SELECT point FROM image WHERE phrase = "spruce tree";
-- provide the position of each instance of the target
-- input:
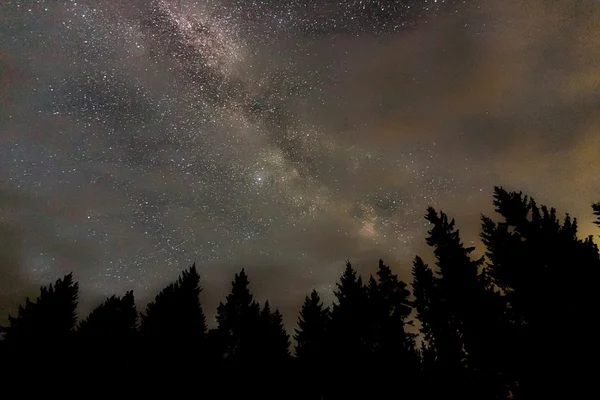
(173, 328)
(176, 312)
(391, 346)
(50, 319)
(44, 328)
(424, 292)
(349, 324)
(462, 313)
(596, 208)
(114, 318)
(311, 333)
(311, 338)
(546, 274)
(238, 323)
(393, 308)
(273, 338)
(279, 339)
(108, 335)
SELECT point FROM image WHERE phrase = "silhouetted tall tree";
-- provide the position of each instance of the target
(546, 275)
(174, 326)
(239, 322)
(311, 346)
(50, 318)
(312, 329)
(442, 348)
(348, 330)
(424, 287)
(390, 308)
(43, 328)
(108, 335)
(275, 339)
(392, 348)
(596, 208)
(348, 317)
(459, 314)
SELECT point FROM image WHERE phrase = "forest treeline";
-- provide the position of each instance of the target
(518, 323)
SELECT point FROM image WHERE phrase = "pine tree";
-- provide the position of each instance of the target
(458, 283)
(312, 330)
(392, 307)
(461, 311)
(50, 319)
(273, 338)
(392, 347)
(238, 321)
(279, 340)
(176, 312)
(173, 328)
(43, 329)
(114, 318)
(424, 293)
(349, 323)
(546, 275)
(596, 208)
(108, 335)
(311, 338)
(442, 347)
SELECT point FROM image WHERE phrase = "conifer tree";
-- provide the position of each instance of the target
(115, 317)
(311, 338)
(546, 274)
(349, 324)
(311, 333)
(392, 348)
(390, 299)
(50, 319)
(108, 335)
(43, 329)
(238, 321)
(424, 293)
(461, 311)
(173, 328)
(278, 338)
(176, 312)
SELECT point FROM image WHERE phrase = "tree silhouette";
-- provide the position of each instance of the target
(424, 291)
(238, 322)
(348, 330)
(390, 307)
(519, 323)
(311, 346)
(43, 328)
(392, 348)
(108, 335)
(348, 317)
(546, 274)
(459, 314)
(312, 330)
(174, 326)
(276, 341)
(51, 317)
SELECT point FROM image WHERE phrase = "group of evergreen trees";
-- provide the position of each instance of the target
(516, 323)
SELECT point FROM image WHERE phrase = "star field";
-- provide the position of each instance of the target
(138, 137)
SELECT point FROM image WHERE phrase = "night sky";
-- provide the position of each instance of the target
(137, 137)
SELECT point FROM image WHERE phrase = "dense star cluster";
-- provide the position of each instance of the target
(282, 136)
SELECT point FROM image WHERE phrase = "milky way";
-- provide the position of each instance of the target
(138, 137)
